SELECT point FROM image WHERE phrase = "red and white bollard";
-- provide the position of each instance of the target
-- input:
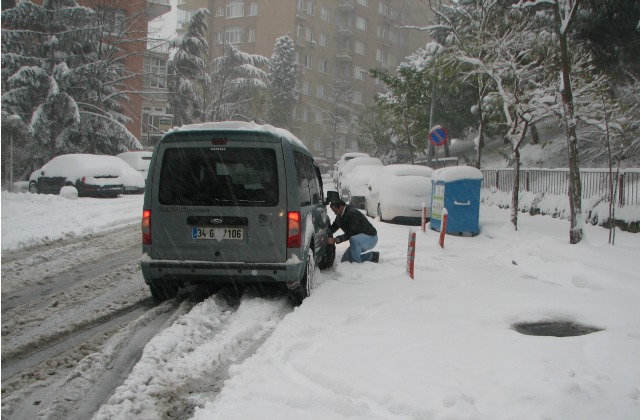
(411, 253)
(443, 226)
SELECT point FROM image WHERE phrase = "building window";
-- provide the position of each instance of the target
(357, 97)
(382, 8)
(251, 35)
(310, 7)
(319, 119)
(308, 61)
(323, 66)
(233, 35)
(392, 60)
(113, 20)
(253, 8)
(155, 72)
(361, 23)
(394, 37)
(309, 34)
(320, 92)
(219, 11)
(219, 37)
(361, 48)
(359, 72)
(235, 9)
(324, 14)
(318, 144)
(383, 32)
(364, 3)
(306, 87)
(324, 39)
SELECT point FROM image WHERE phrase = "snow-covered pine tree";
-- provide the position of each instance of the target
(237, 78)
(187, 72)
(283, 79)
(53, 77)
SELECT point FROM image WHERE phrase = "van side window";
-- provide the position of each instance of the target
(314, 187)
(303, 178)
(317, 175)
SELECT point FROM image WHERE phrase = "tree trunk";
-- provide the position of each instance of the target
(516, 188)
(535, 137)
(480, 143)
(575, 187)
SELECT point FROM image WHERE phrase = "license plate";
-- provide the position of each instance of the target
(218, 233)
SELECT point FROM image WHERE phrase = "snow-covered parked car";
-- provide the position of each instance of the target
(344, 159)
(134, 181)
(138, 160)
(349, 166)
(356, 184)
(398, 192)
(91, 175)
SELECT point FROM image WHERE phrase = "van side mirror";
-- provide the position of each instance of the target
(332, 196)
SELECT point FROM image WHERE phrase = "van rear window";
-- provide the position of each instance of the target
(210, 177)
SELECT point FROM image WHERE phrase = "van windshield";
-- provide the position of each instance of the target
(211, 177)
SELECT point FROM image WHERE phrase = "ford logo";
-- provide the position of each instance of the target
(216, 221)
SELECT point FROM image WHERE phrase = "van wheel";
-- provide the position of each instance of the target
(33, 188)
(328, 258)
(161, 290)
(308, 279)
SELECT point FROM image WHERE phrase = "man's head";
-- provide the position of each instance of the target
(338, 206)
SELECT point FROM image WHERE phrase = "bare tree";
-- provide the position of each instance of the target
(564, 13)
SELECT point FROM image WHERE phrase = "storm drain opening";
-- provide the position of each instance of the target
(554, 328)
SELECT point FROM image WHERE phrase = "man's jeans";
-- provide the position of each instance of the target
(357, 245)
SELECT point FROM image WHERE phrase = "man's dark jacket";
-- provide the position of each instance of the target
(352, 222)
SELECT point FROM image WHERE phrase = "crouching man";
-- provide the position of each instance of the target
(360, 233)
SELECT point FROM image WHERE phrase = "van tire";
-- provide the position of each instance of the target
(161, 290)
(307, 281)
(328, 258)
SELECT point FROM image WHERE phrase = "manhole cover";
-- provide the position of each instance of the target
(554, 328)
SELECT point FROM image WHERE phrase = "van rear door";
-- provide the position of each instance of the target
(220, 197)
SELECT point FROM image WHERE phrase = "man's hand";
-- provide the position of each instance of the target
(331, 241)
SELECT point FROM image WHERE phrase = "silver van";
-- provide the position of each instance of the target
(233, 202)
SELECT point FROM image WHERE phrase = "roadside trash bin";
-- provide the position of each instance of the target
(456, 188)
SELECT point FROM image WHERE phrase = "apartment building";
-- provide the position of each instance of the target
(337, 42)
(155, 121)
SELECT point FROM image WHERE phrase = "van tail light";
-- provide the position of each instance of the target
(146, 227)
(294, 232)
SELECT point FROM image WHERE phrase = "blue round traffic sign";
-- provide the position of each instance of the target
(438, 136)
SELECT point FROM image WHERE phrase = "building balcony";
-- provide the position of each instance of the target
(301, 14)
(157, 8)
(345, 5)
(343, 54)
(344, 29)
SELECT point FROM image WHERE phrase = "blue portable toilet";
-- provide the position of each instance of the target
(456, 188)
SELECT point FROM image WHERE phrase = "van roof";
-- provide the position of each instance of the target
(240, 126)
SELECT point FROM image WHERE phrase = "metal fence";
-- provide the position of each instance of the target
(595, 182)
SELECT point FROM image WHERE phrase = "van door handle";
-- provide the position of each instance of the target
(468, 203)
